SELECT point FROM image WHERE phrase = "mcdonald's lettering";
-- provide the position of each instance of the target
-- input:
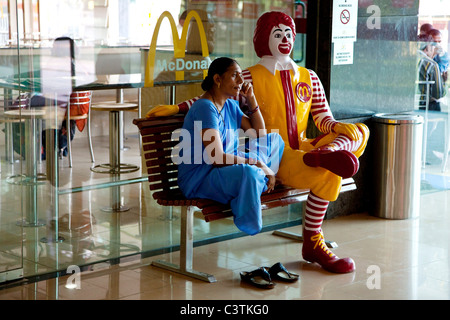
(179, 46)
(181, 65)
(303, 91)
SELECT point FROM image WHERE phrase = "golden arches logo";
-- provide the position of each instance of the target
(179, 44)
(303, 91)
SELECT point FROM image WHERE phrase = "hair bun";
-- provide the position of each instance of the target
(207, 83)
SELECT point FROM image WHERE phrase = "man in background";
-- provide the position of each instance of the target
(428, 70)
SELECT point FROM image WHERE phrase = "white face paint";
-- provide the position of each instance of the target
(281, 41)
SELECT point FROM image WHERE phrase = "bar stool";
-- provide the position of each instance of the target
(22, 102)
(79, 109)
(31, 179)
(9, 136)
(115, 110)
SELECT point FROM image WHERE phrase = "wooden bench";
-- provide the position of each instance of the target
(157, 143)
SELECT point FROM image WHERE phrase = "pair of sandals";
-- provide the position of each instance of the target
(262, 277)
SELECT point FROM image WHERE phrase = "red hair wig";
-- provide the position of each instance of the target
(264, 25)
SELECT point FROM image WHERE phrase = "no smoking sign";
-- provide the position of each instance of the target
(345, 16)
(344, 24)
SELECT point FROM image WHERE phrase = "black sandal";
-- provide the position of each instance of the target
(279, 272)
(259, 278)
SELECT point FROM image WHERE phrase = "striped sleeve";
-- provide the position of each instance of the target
(247, 76)
(186, 105)
(320, 110)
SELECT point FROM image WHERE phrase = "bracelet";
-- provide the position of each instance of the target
(249, 113)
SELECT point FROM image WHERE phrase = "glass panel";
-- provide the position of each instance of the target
(387, 75)
(73, 213)
(13, 184)
(432, 97)
(383, 56)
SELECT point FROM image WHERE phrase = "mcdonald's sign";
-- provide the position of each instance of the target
(179, 47)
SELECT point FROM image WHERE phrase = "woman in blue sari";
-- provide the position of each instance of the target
(219, 169)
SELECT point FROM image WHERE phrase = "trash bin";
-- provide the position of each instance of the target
(398, 147)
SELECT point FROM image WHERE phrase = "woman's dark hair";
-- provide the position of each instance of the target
(218, 66)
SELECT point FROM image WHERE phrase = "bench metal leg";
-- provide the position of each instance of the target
(299, 237)
(186, 250)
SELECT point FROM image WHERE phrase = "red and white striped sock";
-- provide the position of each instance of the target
(315, 212)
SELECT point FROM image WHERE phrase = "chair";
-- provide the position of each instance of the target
(29, 178)
(79, 109)
(23, 101)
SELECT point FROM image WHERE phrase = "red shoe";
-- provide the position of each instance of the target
(341, 162)
(315, 250)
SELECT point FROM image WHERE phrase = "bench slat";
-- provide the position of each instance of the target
(169, 128)
(164, 185)
(162, 169)
(144, 123)
(162, 176)
(160, 137)
(159, 145)
(158, 154)
(162, 161)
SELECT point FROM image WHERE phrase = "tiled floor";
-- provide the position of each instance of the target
(395, 259)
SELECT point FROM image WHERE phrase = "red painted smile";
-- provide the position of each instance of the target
(284, 48)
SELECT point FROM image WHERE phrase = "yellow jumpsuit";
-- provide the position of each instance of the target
(293, 171)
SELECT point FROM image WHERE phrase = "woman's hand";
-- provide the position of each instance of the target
(253, 119)
(269, 174)
(271, 182)
(247, 91)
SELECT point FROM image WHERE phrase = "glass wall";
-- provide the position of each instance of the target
(12, 195)
(432, 100)
(384, 71)
(60, 208)
(381, 72)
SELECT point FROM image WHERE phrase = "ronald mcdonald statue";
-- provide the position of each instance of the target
(287, 94)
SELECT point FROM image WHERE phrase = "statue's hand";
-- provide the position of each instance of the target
(349, 129)
(163, 111)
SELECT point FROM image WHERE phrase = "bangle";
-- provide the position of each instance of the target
(249, 113)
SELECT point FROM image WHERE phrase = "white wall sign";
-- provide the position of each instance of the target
(343, 52)
(344, 30)
(345, 20)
